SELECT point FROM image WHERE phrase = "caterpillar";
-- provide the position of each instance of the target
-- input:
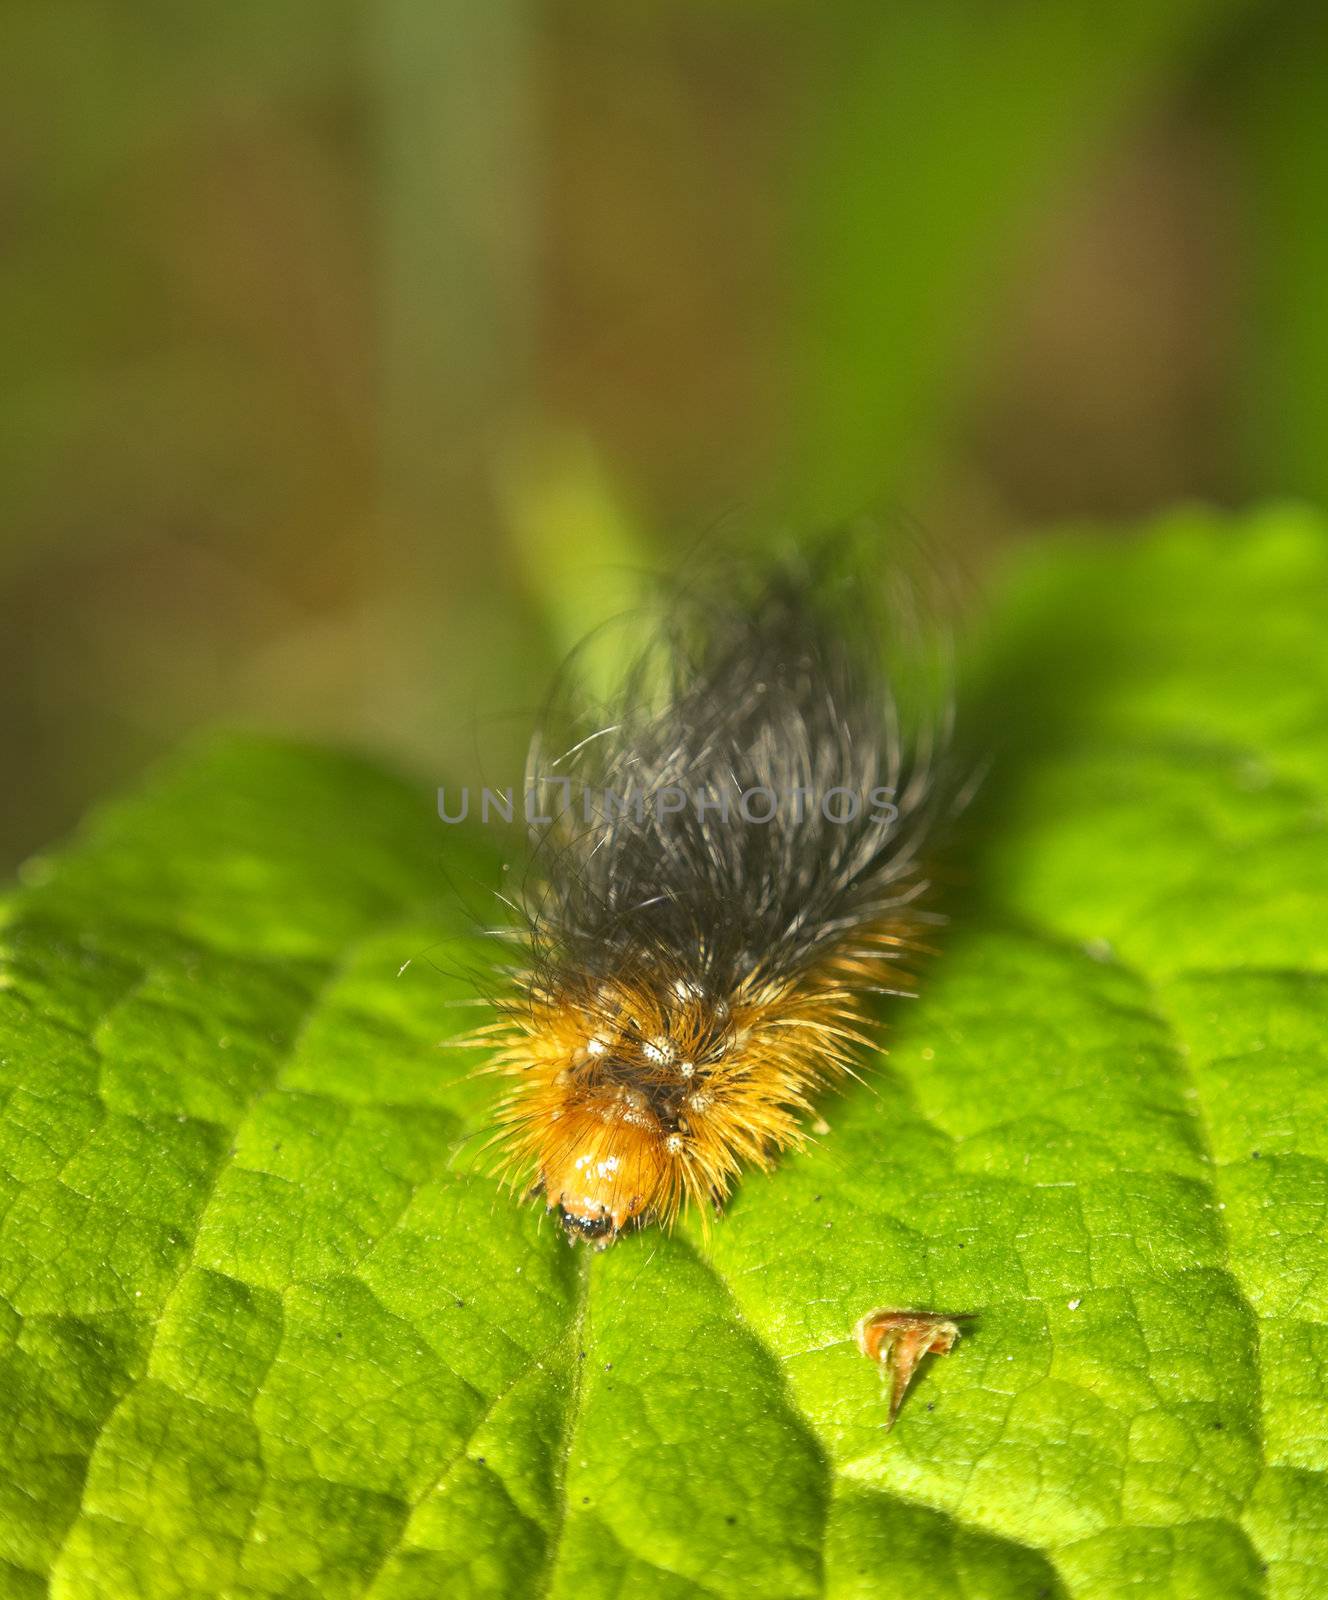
(726, 871)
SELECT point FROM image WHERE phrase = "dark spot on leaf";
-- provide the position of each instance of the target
(1256, 1154)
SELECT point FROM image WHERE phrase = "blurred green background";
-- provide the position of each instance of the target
(357, 354)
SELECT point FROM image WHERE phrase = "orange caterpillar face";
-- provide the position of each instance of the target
(631, 1099)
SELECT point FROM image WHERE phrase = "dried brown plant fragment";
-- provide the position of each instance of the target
(899, 1340)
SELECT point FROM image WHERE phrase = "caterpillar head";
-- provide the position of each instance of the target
(611, 1105)
(632, 1098)
(604, 1163)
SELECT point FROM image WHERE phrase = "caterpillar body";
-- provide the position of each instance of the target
(699, 962)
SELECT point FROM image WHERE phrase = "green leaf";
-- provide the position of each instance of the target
(270, 1330)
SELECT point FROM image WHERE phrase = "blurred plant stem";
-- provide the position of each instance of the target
(458, 197)
(1280, 101)
(580, 554)
(941, 129)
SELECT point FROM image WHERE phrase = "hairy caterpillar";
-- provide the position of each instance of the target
(697, 962)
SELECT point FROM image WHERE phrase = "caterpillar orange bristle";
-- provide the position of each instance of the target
(727, 870)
